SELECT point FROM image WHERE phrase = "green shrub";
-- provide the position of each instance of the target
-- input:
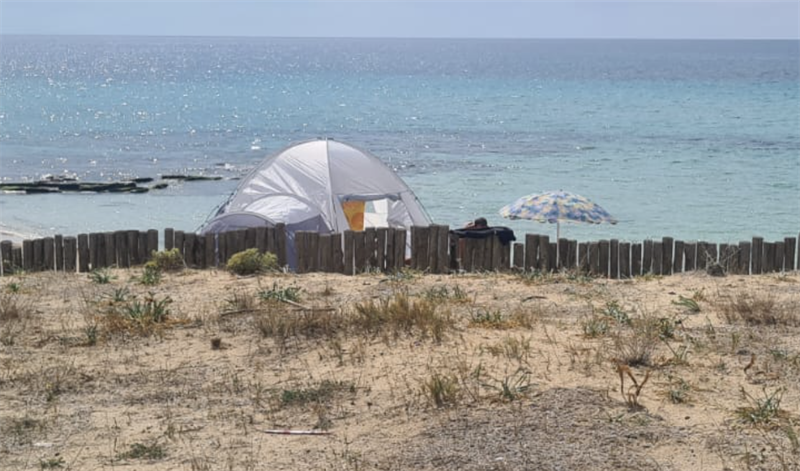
(250, 261)
(166, 260)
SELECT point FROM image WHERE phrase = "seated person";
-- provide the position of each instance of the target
(479, 223)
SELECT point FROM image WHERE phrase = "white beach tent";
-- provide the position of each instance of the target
(304, 187)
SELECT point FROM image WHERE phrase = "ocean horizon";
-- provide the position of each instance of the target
(694, 139)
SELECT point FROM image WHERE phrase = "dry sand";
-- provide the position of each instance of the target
(527, 373)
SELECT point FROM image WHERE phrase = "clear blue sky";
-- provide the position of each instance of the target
(431, 19)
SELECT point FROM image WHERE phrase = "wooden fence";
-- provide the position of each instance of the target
(432, 249)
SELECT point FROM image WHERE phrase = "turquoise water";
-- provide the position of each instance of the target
(691, 139)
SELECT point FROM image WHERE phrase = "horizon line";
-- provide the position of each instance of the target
(488, 38)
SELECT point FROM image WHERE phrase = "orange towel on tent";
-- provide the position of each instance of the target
(354, 212)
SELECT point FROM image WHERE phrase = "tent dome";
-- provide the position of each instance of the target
(320, 185)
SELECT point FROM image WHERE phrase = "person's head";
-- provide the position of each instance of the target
(480, 222)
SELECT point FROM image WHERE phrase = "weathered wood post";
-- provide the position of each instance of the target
(6, 263)
(49, 253)
(636, 259)
(677, 262)
(133, 247)
(338, 254)
(38, 254)
(169, 238)
(667, 246)
(614, 262)
(152, 243)
(27, 255)
(110, 247)
(605, 249)
(790, 248)
(70, 253)
(584, 259)
(349, 253)
(58, 241)
(658, 257)
(757, 255)
(624, 260)
(210, 249)
(647, 257)
(690, 256)
(380, 247)
(531, 252)
(544, 254)
(280, 243)
(189, 240)
(442, 246)
(83, 253)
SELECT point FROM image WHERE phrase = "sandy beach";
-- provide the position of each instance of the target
(496, 371)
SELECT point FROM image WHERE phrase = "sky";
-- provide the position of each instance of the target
(765, 19)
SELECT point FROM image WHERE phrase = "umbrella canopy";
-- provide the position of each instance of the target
(557, 206)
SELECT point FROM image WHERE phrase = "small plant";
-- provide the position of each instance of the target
(443, 293)
(679, 392)
(137, 451)
(166, 260)
(690, 305)
(101, 276)
(250, 261)
(13, 287)
(614, 311)
(761, 411)
(441, 390)
(278, 293)
(152, 310)
(515, 385)
(120, 295)
(757, 309)
(151, 275)
(488, 319)
(596, 326)
(52, 463)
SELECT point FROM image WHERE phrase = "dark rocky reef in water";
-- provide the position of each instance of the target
(70, 185)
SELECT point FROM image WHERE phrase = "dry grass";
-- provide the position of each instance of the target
(407, 371)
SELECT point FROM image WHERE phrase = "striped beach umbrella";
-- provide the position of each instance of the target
(557, 206)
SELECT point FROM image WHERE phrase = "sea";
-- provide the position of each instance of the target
(697, 140)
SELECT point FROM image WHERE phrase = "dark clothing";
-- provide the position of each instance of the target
(505, 234)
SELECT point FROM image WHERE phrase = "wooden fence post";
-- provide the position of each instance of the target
(744, 257)
(325, 253)
(690, 256)
(562, 245)
(121, 247)
(70, 253)
(210, 250)
(614, 262)
(27, 255)
(594, 258)
(531, 252)
(83, 253)
(605, 249)
(790, 247)
(544, 254)
(636, 259)
(169, 238)
(337, 255)
(756, 256)
(49, 252)
(667, 246)
(658, 257)
(519, 256)
(400, 248)
(110, 247)
(677, 262)
(93, 250)
(647, 257)
(442, 247)
(189, 240)
(133, 247)
(6, 263)
(380, 247)
(349, 253)
(280, 243)
(59, 249)
(584, 259)
(624, 260)
(572, 254)
(152, 243)
(768, 262)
